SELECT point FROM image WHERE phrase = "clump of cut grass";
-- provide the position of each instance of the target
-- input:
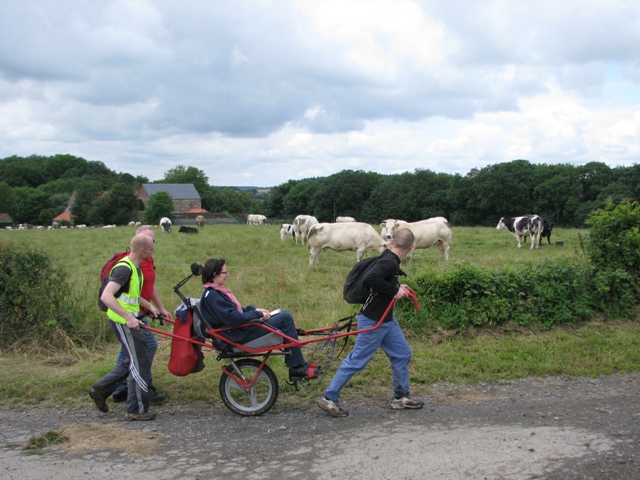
(45, 440)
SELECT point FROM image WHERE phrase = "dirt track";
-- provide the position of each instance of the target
(550, 428)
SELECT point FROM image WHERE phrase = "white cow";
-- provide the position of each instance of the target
(200, 221)
(427, 233)
(384, 232)
(165, 224)
(257, 219)
(286, 229)
(355, 236)
(301, 226)
(345, 219)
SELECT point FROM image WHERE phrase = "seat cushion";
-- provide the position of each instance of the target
(268, 340)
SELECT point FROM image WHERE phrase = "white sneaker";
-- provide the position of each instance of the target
(406, 403)
(332, 408)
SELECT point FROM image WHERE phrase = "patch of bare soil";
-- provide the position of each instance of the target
(84, 437)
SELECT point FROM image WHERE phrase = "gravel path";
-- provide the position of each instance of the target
(550, 428)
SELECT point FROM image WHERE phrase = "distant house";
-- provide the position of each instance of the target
(185, 196)
(5, 219)
(66, 215)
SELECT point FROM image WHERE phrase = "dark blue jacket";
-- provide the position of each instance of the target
(219, 312)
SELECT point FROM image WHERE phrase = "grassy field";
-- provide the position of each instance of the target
(273, 274)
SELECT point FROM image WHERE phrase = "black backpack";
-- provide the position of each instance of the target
(354, 290)
(105, 281)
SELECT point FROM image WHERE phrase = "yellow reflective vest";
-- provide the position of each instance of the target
(130, 300)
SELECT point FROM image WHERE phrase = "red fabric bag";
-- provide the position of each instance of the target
(185, 357)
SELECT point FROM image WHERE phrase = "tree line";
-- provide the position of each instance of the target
(564, 193)
(36, 189)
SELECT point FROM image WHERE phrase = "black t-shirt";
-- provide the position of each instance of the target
(121, 274)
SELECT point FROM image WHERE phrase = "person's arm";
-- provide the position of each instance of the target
(155, 299)
(147, 305)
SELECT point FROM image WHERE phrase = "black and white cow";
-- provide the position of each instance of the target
(165, 224)
(522, 227)
(184, 229)
(287, 229)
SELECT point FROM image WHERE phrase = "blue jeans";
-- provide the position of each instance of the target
(151, 343)
(390, 338)
(283, 322)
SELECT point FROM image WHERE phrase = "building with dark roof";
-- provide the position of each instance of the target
(185, 196)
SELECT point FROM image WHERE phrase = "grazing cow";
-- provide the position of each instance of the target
(522, 227)
(165, 224)
(287, 229)
(132, 223)
(257, 219)
(200, 221)
(357, 237)
(384, 232)
(301, 226)
(427, 233)
(82, 225)
(184, 229)
(345, 219)
(547, 227)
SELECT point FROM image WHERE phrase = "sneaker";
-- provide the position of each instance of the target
(155, 397)
(101, 402)
(305, 371)
(406, 403)
(332, 408)
(142, 417)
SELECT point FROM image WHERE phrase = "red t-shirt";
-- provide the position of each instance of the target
(149, 273)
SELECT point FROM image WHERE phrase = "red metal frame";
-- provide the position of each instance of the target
(287, 341)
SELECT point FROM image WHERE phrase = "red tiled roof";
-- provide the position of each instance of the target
(66, 215)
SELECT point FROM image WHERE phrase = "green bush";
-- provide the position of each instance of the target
(560, 293)
(614, 239)
(548, 294)
(38, 305)
(615, 293)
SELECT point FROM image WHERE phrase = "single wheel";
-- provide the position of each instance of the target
(259, 399)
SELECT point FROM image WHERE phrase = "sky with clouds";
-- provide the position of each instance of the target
(257, 92)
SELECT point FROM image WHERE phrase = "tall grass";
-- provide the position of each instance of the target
(265, 271)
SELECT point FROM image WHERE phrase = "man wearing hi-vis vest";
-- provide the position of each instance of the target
(122, 297)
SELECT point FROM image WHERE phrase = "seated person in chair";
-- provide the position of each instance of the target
(220, 308)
